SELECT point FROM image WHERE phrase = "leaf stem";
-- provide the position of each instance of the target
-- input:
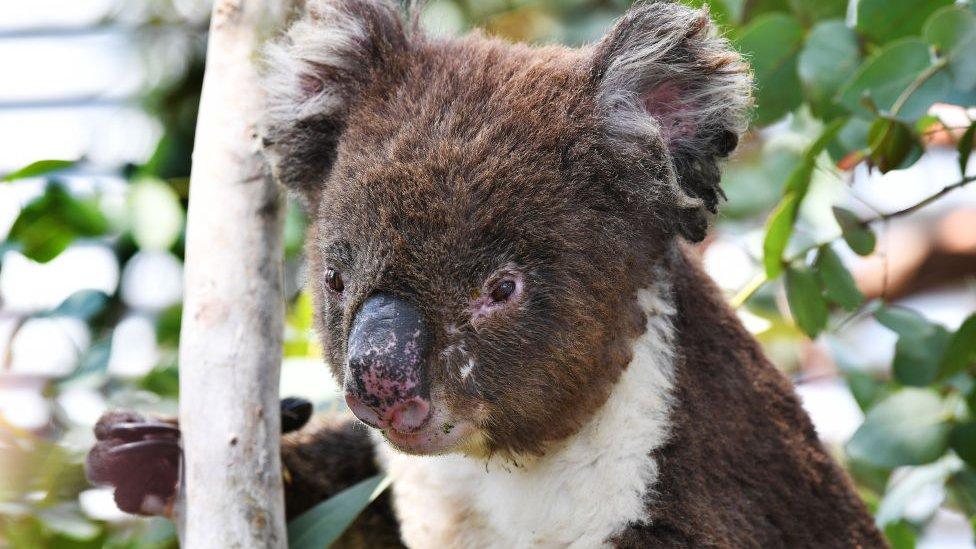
(919, 81)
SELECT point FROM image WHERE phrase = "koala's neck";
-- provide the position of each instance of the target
(536, 501)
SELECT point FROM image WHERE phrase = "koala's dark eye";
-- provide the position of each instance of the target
(334, 281)
(503, 291)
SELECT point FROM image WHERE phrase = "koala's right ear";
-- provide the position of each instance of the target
(314, 75)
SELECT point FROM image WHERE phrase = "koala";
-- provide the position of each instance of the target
(499, 252)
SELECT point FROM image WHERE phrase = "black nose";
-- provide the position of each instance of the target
(387, 348)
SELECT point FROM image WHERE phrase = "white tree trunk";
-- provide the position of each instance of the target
(230, 351)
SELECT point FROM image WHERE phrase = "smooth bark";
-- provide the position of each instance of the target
(230, 351)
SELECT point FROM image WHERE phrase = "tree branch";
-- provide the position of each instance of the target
(761, 279)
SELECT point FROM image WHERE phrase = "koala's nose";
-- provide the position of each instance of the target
(385, 385)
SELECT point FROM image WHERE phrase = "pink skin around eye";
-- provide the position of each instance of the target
(483, 306)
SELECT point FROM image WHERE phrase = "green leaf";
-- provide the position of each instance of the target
(168, 325)
(962, 487)
(155, 214)
(904, 322)
(806, 302)
(961, 351)
(779, 226)
(295, 224)
(900, 535)
(83, 304)
(322, 525)
(917, 357)
(46, 226)
(906, 428)
(966, 148)
(887, 75)
(893, 145)
(772, 43)
(829, 58)
(963, 442)
(93, 361)
(815, 10)
(752, 9)
(39, 168)
(886, 20)
(952, 31)
(838, 284)
(162, 380)
(858, 237)
(865, 388)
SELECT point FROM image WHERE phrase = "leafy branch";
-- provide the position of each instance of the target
(762, 278)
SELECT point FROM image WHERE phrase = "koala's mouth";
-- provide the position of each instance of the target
(440, 434)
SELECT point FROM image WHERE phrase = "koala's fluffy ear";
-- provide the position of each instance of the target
(313, 77)
(663, 76)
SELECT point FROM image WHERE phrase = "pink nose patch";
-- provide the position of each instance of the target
(404, 416)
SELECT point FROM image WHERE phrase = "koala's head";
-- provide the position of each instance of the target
(482, 214)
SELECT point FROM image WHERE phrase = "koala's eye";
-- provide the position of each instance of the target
(503, 290)
(334, 281)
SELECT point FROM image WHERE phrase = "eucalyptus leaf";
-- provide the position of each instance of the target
(961, 351)
(893, 145)
(904, 322)
(886, 20)
(900, 535)
(962, 486)
(779, 226)
(966, 148)
(917, 357)
(829, 58)
(908, 427)
(838, 284)
(83, 304)
(815, 10)
(806, 302)
(39, 168)
(859, 237)
(963, 442)
(322, 525)
(772, 44)
(952, 31)
(896, 69)
(47, 225)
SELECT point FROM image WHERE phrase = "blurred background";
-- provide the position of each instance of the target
(864, 111)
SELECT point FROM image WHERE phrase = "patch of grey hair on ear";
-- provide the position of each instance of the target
(297, 67)
(663, 46)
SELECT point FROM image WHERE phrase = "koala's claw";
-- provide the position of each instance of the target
(295, 413)
(147, 447)
(140, 457)
(135, 430)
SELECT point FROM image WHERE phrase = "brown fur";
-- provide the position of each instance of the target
(743, 467)
(327, 456)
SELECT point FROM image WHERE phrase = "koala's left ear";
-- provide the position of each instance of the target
(664, 77)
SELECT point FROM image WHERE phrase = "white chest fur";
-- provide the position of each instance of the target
(577, 495)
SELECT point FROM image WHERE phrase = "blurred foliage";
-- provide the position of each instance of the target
(838, 85)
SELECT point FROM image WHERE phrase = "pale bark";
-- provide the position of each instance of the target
(230, 351)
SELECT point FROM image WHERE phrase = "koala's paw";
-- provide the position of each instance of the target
(295, 413)
(140, 458)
